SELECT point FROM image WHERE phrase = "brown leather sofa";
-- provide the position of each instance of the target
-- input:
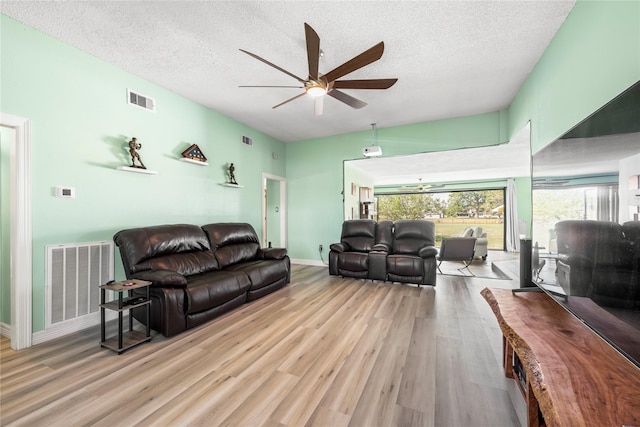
(403, 251)
(198, 273)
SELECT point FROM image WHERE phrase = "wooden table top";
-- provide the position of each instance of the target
(576, 376)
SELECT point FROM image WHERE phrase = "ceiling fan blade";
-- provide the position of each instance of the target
(364, 84)
(347, 99)
(318, 106)
(297, 87)
(273, 65)
(365, 58)
(289, 100)
(313, 50)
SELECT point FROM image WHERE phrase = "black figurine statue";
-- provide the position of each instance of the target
(232, 176)
(133, 147)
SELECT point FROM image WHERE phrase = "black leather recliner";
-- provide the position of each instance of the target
(598, 260)
(400, 252)
(412, 258)
(360, 240)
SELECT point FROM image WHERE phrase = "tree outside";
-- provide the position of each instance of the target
(451, 212)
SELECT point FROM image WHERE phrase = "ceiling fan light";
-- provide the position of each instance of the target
(316, 91)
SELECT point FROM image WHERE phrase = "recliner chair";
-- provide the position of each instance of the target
(359, 239)
(412, 258)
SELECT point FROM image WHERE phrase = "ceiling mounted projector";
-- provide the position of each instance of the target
(372, 151)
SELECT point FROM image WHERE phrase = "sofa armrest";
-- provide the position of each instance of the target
(381, 247)
(428, 251)
(272, 253)
(162, 278)
(339, 247)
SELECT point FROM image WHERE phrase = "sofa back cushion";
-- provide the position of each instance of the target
(411, 235)
(359, 234)
(232, 242)
(384, 233)
(468, 232)
(181, 247)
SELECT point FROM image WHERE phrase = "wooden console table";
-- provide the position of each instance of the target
(575, 377)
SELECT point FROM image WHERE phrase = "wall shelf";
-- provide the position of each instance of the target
(226, 184)
(136, 170)
(195, 162)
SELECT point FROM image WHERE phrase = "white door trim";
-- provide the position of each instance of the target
(283, 207)
(21, 238)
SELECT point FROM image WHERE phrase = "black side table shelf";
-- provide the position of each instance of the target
(124, 341)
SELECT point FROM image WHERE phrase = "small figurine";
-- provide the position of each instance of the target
(133, 146)
(232, 177)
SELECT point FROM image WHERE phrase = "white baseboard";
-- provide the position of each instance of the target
(5, 330)
(309, 262)
(71, 326)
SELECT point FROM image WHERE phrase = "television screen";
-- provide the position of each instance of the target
(586, 225)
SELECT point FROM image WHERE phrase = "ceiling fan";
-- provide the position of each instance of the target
(316, 84)
(420, 187)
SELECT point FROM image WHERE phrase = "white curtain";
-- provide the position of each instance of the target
(511, 216)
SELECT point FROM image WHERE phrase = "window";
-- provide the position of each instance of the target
(452, 212)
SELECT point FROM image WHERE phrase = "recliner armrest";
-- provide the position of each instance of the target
(381, 247)
(339, 247)
(272, 253)
(428, 251)
(162, 278)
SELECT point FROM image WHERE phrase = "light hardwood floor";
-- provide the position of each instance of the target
(323, 351)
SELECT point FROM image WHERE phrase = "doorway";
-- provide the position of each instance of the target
(274, 215)
(20, 240)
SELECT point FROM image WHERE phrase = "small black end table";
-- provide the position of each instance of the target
(125, 341)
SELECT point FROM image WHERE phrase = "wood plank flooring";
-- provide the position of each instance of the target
(323, 351)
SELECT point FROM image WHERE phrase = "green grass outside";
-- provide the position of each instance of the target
(495, 231)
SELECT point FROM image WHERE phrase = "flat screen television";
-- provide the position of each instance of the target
(585, 221)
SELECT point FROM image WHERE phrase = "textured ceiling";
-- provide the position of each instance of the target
(452, 58)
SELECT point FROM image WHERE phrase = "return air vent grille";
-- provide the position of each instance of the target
(74, 274)
(141, 101)
(247, 141)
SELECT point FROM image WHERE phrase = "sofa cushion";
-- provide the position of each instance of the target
(477, 232)
(403, 265)
(232, 243)
(182, 248)
(262, 273)
(412, 235)
(468, 232)
(353, 261)
(211, 289)
(359, 234)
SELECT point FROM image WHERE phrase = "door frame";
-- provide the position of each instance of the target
(283, 207)
(21, 235)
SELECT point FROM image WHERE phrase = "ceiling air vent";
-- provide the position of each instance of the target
(247, 141)
(141, 101)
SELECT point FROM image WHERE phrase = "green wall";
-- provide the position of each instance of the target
(81, 122)
(315, 170)
(594, 56)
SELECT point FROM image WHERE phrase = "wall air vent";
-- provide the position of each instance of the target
(247, 141)
(142, 101)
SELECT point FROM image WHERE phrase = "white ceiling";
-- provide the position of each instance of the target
(452, 58)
